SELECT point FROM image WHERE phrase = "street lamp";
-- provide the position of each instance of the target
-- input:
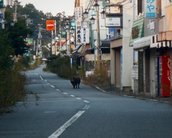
(97, 47)
(85, 14)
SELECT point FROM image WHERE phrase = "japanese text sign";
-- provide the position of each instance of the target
(151, 8)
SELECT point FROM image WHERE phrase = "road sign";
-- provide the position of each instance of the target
(50, 25)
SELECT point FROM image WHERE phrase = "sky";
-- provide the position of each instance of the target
(53, 6)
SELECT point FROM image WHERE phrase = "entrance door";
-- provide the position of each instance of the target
(117, 68)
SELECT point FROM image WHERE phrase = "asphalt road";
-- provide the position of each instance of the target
(54, 109)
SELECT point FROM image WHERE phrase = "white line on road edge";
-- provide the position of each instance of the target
(59, 131)
(52, 86)
(41, 77)
(100, 89)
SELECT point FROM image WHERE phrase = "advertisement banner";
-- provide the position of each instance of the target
(165, 76)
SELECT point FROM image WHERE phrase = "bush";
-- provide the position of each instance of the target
(11, 87)
(99, 78)
(60, 65)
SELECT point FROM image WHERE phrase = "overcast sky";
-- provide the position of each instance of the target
(53, 6)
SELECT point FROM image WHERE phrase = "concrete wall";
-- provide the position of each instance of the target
(127, 51)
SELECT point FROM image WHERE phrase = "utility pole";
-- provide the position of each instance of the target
(15, 11)
(98, 48)
(39, 42)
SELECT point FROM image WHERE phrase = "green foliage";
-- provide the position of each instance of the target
(17, 36)
(60, 65)
(5, 52)
(100, 77)
(36, 63)
(17, 32)
(11, 87)
(37, 18)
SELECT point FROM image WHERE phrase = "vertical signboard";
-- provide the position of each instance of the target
(165, 76)
(151, 8)
(50, 25)
(84, 35)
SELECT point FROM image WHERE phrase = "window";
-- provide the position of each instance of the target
(139, 6)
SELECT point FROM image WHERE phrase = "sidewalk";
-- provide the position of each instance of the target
(118, 92)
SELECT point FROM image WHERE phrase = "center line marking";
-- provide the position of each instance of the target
(65, 93)
(72, 95)
(85, 101)
(59, 131)
(78, 98)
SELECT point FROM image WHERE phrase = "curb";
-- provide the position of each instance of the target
(137, 97)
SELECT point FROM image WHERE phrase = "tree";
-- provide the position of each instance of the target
(17, 32)
(17, 35)
(5, 52)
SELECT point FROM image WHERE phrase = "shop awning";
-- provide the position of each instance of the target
(159, 42)
(142, 42)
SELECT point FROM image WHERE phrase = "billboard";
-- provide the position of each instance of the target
(113, 22)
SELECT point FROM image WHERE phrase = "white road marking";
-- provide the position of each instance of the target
(86, 107)
(85, 101)
(65, 93)
(59, 131)
(58, 90)
(72, 95)
(100, 89)
(78, 98)
(52, 86)
(41, 78)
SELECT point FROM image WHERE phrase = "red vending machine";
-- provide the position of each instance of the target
(165, 76)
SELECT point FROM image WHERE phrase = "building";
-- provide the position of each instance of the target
(152, 43)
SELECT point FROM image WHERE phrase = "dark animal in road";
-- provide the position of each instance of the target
(75, 81)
